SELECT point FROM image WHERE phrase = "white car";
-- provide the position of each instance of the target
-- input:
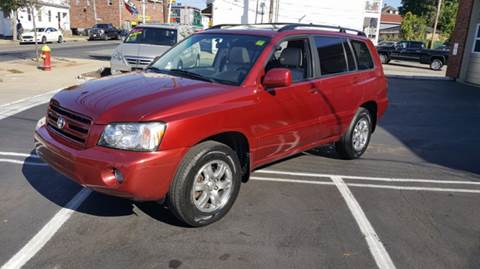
(44, 35)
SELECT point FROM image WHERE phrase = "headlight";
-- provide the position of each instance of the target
(133, 136)
(117, 55)
(41, 122)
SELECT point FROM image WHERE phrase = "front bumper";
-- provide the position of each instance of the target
(96, 36)
(147, 175)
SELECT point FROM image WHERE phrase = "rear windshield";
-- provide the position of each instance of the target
(103, 26)
(154, 36)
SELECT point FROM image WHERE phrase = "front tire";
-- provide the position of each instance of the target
(384, 58)
(355, 141)
(60, 39)
(206, 185)
(44, 40)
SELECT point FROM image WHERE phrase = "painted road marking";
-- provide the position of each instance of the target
(22, 162)
(12, 108)
(47, 232)
(361, 185)
(378, 251)
(6, 153)
(369, 178)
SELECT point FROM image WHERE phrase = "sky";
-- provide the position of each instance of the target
(393, 3)
(201, 3)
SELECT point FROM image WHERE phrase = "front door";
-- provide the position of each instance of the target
(287, 116)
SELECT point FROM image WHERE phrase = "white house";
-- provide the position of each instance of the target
(357, 14)
(50, 13)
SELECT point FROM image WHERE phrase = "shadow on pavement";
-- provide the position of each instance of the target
(59, 190)
(437, 120)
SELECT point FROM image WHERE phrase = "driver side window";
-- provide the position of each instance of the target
(294, 55)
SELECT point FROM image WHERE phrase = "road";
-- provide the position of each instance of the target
(100, 50)
(415, 193)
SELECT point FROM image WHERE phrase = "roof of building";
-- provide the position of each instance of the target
(391, 18)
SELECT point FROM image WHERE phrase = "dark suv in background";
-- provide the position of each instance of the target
(104, 31)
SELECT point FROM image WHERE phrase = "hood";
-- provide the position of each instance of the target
(135, 96)
(142, 50)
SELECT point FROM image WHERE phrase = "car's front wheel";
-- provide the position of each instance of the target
(44, 39)
(355, 141)
(206, 184)
(60, 39)
(384, 58)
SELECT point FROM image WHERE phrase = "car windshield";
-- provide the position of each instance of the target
(220, 58)
(150, 35)
(40, 29)
(102, 26)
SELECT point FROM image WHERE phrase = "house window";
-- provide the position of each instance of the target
(49, 16)
(29, 12)
(476, 41)
(39, 14)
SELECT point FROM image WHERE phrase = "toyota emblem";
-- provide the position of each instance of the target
(60, 122)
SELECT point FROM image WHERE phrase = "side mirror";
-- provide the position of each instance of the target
(277, 77)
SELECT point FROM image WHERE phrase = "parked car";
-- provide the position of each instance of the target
(189, 136)
(146, 42)
(414, 51)
(387, 44)
(44, 35)
(104, 31)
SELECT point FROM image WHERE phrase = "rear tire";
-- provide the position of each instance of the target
(436, 64)
(355, 141)
(44, 39)
(200, 193)
(60, 39)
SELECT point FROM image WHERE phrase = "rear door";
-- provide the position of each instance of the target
(338, 82)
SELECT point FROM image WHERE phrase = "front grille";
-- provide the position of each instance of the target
(27, 36)
(76, 125)
(138, 61)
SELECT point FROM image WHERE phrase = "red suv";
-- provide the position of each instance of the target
(190, 134)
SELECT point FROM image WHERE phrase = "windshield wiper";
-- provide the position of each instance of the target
(189, 74)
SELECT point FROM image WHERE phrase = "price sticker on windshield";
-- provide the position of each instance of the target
(260, 43)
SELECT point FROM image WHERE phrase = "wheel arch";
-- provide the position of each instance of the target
(372, 107)
(239, 143)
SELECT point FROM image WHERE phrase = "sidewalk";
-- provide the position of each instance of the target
(75, 38)
(21, 78)
(402, 69)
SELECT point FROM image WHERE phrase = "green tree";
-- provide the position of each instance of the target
(9, 9)
(413, 27)
(448, 16)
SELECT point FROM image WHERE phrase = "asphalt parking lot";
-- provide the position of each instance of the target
(412, 201)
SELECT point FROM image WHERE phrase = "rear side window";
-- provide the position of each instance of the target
(332, 55)
(364, 59)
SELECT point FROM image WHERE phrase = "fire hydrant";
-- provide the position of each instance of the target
(46, 58)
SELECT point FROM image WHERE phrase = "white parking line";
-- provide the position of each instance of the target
(22, 162)
(369, 178)
(7, 153)
(379, 253)
(362, 185)
(12, 108)
(47, 232)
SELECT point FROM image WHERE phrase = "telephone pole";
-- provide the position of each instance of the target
(270, 11)
(143, 11)
(439, 7)
(94, 12)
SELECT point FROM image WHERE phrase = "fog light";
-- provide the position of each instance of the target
(118, 176)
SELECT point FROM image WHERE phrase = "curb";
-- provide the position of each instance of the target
(420, 77)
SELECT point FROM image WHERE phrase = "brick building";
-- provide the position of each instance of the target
(464, 59)
(82, 13)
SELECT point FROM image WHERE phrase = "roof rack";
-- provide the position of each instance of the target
(293, 26)
(285, 26)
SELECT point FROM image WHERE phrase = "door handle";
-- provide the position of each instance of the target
(314, 91)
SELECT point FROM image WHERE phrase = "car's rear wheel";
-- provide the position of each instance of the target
(44, 39)
(355, 141)
(206, 184)
(436, 64)
(105, 37)
(384, 59)
(60, 39)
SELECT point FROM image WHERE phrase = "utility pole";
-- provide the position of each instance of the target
(120, 14)
(270, 11)
(169, 11)
(94, 12)
(143, 11)
(439, 7)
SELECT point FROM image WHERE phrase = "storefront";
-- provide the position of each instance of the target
(464, 61)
